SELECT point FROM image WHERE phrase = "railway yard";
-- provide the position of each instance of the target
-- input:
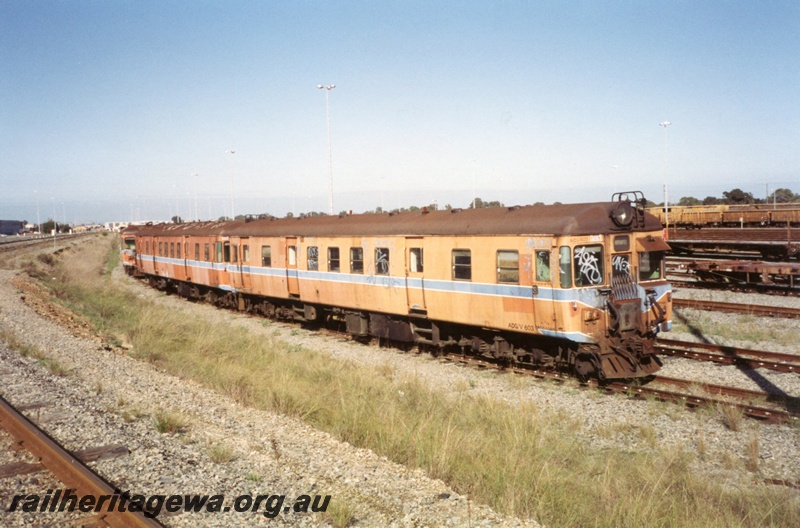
(89, 394)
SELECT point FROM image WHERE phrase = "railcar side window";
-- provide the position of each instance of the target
(226, 251)
(219, 252)
(508, 266)
(356, 260)
(178, 250)
(621, 265)
(588, 265)
(207, 254)
(462, 264)
(147, 247)
(415, 260)
(160, 249)
(172, 250)
(235, 254)
(197, 251)
(293, 256)
(313, 258)
(650, 265)
(266, 256)
(381, 261)
(245, 253)
(543, 266)
(333, 259)
(565, 267)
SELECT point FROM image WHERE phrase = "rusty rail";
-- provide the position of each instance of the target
(747, 309)
(67, 467)
(728, 355)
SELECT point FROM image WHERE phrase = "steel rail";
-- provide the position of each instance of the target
(748, 309)
(690, 400)
(67, 467)
(727, 355)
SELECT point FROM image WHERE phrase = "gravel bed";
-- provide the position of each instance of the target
(110, 398)
(276, 454)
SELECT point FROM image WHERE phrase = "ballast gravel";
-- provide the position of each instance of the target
(109, 397)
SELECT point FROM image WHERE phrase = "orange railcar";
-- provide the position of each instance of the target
(577, 286)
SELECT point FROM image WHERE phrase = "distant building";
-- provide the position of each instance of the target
(11, 227)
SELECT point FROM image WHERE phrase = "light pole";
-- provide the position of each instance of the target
(194, 182)
(38, 220)
(233, 177)
(327, 89)
(665, 124)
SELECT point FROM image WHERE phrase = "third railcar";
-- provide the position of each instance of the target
(578, 286)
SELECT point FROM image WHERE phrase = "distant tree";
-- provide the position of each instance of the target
(738, 196)
(480, 204)
(220, 219)
(557, 203)
(177, 220)
(783, 196)
(689, 200)
(538, 203)
(712, 200)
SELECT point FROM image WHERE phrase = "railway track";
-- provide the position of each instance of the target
(737, 308)
(690, 399)
(726, 355)
(68, 468)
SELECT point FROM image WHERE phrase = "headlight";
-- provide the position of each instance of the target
(622, 215)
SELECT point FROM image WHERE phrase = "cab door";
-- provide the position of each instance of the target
(415, 278)
(291, 267)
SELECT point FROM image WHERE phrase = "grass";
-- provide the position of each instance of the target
(170, 422)
(520, 458)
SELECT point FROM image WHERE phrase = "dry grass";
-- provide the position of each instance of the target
(519, 458)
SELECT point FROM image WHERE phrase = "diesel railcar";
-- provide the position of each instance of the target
(577, 287)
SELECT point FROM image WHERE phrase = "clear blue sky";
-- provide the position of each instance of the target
(107, 108)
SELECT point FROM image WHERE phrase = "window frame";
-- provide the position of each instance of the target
(337, 259)
(460, 270)
(266, 256)
(357, 259)
(512, 272)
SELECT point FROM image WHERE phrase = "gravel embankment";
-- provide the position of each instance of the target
(110, 398)
(276, 454)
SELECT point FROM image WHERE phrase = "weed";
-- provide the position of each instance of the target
(752, 455)
(731, 417)
(340, 513)
(220, 453)
(170, 421)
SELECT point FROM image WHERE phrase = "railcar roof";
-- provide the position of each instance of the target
(556, 220)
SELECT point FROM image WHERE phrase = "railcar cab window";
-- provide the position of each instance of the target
(333, 259)
(266, 256)
(588, 265)
(508, 266)
(462, 264)
(292, 256)
(313, 258)
(356, 260)
(415, 260)
(381, 261)
(543, 266)
(226, 252)
(245, 253)
(650, 264)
